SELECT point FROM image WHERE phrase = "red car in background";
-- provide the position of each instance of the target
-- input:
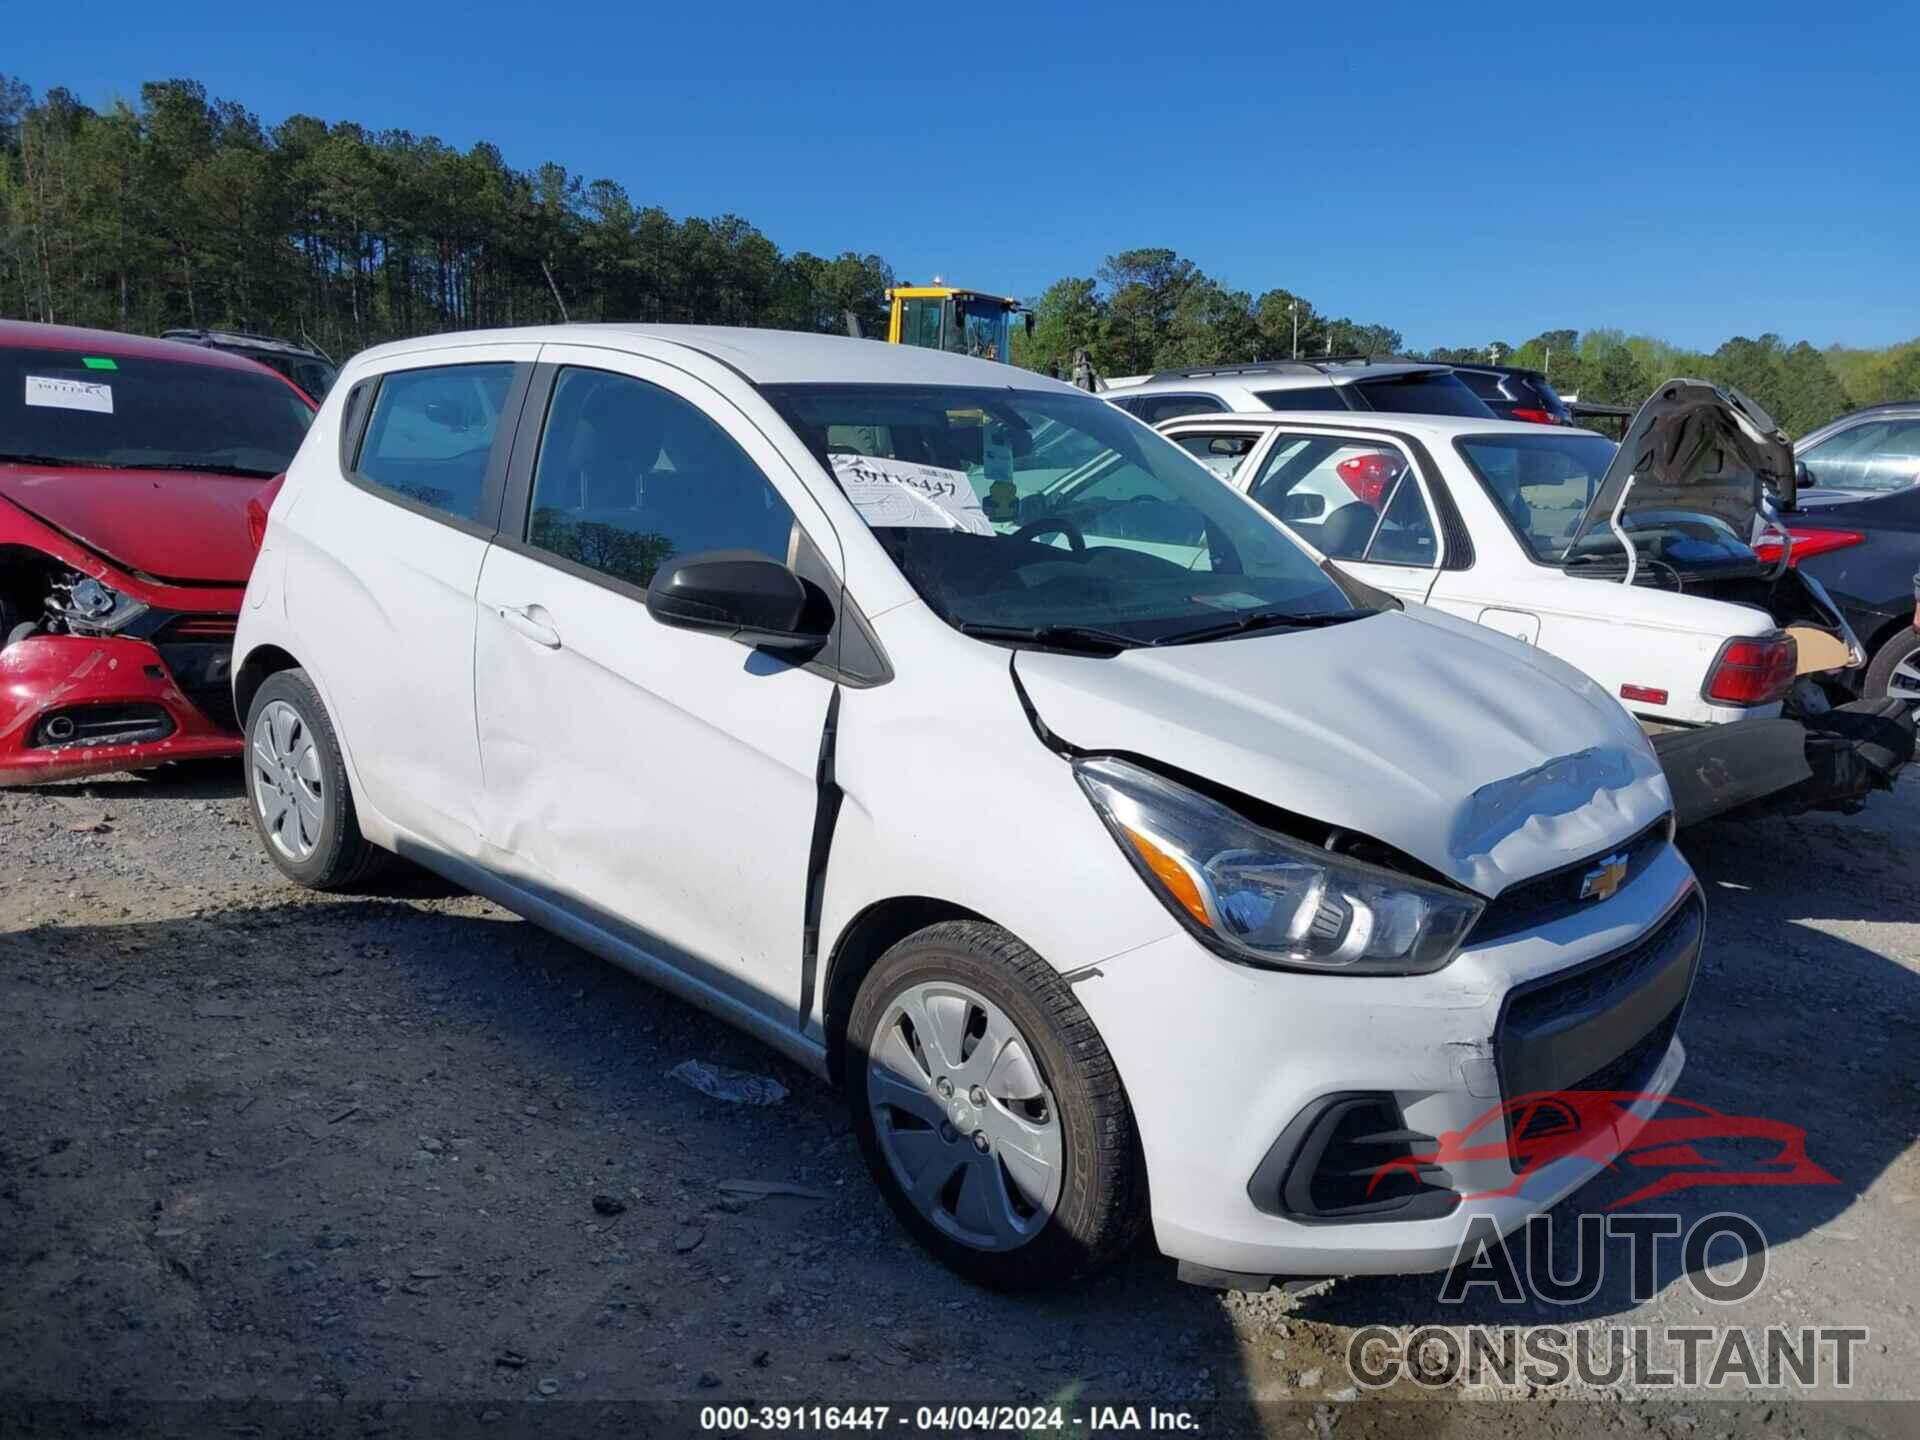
(126, 470)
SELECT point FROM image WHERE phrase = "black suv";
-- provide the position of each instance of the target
(1516, 394)
(305, 365)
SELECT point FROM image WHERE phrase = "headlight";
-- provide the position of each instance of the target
(90, 607)
(1267, 899)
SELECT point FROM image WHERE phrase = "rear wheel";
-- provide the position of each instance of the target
(1895, 670)
(989, 1110)
(297, 788)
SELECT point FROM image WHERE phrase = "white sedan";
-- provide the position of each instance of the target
(1523, 528)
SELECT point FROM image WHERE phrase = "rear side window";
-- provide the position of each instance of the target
(1881, 455)
(1222, 454)
(631, 475)
(1303, 397)
(1350, 499)
(1422, 394)
(431, 432)
(1484, 383)
(1155, 408)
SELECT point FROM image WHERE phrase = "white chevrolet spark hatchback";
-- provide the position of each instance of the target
(973, 746)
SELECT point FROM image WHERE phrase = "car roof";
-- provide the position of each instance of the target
(1276, 374)
(772, 357)
(1487, 367)
(240, 337)
(31, 335)
(1426, 427)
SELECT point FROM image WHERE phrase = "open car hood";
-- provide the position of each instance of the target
(167, 524)
(1701, 449)
(1487, 760)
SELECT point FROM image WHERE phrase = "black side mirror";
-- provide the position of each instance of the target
(743, 596)
(1802, 478)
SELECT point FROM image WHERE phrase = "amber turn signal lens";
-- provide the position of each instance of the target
(1172, 874)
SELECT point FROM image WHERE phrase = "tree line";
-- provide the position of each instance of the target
(187, 210)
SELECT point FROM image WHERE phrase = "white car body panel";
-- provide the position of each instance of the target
(649, 793)
(1618, 634)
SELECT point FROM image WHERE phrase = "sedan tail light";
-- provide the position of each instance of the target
(1753, 671)
(1535, 417)
(1807, 543)
(1368, 476)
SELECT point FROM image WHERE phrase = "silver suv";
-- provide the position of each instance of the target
(1339, 383)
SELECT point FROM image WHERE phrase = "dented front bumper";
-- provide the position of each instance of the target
(1221, 1062)
(1785, 766)
(72, 706)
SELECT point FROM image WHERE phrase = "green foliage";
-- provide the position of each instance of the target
(1875, 377)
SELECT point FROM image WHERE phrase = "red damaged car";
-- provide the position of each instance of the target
(126, 470)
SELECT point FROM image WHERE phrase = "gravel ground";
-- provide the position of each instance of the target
(259, 1143)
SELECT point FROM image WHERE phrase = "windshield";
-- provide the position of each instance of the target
(1028, 510)
(1544, 484)
(62, 407)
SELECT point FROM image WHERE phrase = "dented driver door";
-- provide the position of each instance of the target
(657, 783)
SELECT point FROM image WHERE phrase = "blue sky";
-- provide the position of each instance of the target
(1463, 173)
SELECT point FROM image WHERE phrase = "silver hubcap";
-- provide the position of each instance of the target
(1904, 683)
(964, 1119)
(286, 780)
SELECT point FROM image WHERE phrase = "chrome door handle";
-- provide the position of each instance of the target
(538, 631)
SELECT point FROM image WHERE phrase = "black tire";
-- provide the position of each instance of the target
(1101, 1207)
(341, 857)
(1904, 646)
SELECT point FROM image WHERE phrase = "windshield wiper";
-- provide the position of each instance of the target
(214, 467)
(1075, 637)
(1265, 620)
(62, 461)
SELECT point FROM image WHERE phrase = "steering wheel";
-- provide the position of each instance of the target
(1076, 542)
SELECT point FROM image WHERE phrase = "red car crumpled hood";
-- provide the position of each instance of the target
(172, 525)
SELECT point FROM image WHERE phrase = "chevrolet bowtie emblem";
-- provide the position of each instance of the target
(1600, 882)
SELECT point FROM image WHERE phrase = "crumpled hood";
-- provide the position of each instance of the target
(172, 525)
(1473, 753)
(1699, 448)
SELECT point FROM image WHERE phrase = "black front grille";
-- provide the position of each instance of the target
(1594, 1028)
(1557, 893)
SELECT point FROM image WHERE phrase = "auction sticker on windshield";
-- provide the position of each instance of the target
(52, 393)
(899, 494)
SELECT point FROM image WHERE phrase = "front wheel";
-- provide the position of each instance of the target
(989, 1110)
(1894, 672)
(297, 788)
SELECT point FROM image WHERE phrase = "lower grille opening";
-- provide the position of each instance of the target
(102, 725)
(1352, 1157)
